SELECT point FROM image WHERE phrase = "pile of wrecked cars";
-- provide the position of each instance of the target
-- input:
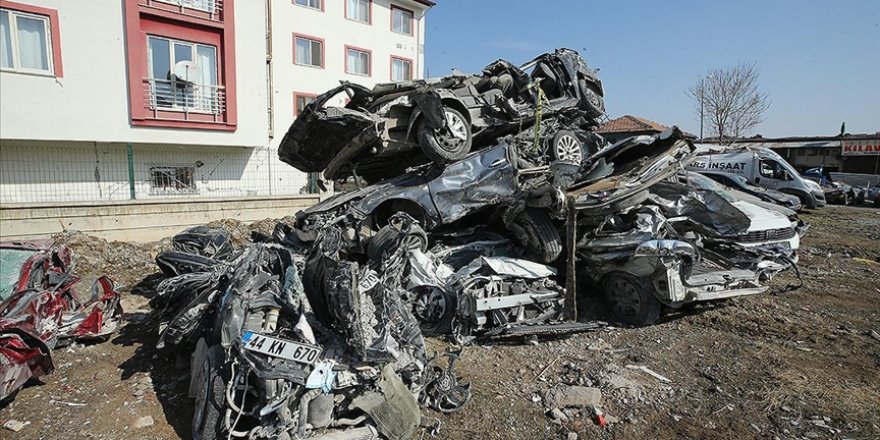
(484, 203)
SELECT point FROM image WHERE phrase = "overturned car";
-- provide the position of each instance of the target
(441, 119)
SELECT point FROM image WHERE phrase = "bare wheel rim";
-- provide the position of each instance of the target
(624, 297)
(413, 241)
(456, 133)
(431, 307)
(568, 148)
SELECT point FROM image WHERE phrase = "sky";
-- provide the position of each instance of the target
(819, 61)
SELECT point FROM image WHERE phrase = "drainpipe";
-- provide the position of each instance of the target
(270, 90)
(131, 194)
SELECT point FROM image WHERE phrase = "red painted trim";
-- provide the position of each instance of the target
(412, 17)
(296, 109)
(200, 125)
(143, 19)
(309, 7)
(54, 30)
(311, 38)
(359, 49)
(369, 13)
(391, 66)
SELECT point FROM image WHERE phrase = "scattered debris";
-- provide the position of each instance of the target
(15, 425)
(650, 372)
(143, 422)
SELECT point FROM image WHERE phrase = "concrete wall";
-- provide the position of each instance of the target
(90, 103)
(139, 221)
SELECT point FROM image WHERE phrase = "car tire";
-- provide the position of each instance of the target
(630, 299)
(567, 147)
(591, 101)
(538, 235)
(383, 239)
(445, 148)
(210, 405)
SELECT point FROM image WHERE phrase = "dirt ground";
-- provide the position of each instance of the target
(789, 364)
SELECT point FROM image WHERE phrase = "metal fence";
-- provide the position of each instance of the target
(33, 172)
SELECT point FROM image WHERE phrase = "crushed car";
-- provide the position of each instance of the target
(381, 132)
(742, 184)
(41, 310)
(332, 354)
(689, 240)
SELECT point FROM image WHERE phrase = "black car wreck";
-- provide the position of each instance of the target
(441, 119)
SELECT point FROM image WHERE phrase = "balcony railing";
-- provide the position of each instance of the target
(210, 7)
(185, 97)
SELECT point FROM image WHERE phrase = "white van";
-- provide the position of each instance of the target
(764, 168)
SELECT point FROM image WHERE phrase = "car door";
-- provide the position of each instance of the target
(485, 178)
(771, 174)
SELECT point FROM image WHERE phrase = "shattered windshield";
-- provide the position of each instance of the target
(11, 261)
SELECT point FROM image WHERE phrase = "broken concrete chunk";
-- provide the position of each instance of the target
(576, 396)
(143, 422)
(14, 425)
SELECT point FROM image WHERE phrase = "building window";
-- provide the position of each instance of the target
(401, 69)
(300, 100)
(210, 6)
(308, 51)
(183, 75)
(166, 180)
(357, 61)
(25, 42)
(359, 10)
(313, 4)
(401, 20)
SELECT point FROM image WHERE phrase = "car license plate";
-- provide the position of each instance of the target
(281, 348)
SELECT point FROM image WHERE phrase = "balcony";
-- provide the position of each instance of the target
(209, 9)
(184, 101)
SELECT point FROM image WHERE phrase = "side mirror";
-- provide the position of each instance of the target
(757, 180)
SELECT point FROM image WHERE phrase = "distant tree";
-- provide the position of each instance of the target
(729, 101)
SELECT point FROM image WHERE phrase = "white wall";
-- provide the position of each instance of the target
(90, 103)
(337, 32)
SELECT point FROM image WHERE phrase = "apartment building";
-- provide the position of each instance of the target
(103, 100)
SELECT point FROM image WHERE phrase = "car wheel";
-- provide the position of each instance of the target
(567, 147)
(434, 308)
(210, 404)
(538, 235)
(631, 300)
(379, 244)
(591, 102)
(448, 144)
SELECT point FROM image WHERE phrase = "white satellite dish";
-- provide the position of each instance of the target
(186, 71)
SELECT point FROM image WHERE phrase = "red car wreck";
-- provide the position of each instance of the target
(40, 310)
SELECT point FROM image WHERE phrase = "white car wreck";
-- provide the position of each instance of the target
(690, 240)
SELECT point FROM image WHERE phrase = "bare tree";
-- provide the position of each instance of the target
(730, 102)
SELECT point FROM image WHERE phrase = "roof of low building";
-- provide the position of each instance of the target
(427, 3)
(630, 124)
